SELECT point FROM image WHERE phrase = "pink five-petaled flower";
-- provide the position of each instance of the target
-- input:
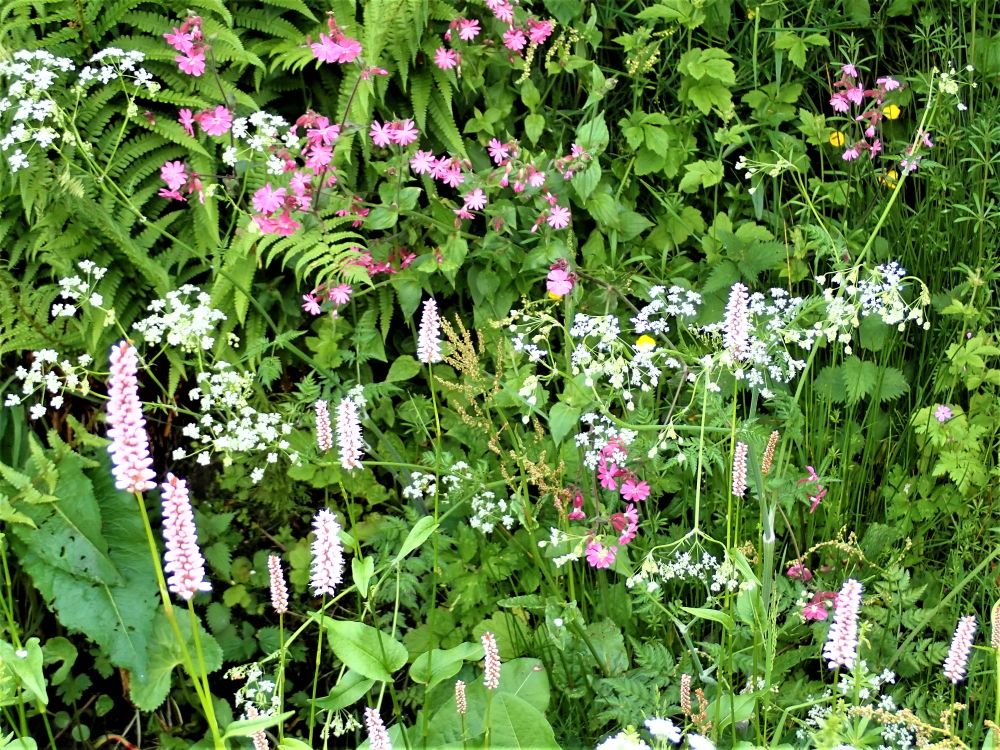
(337, 49)
(446, 59)
(422, 162)
(961, 647)
(539, 31)
(381, 134)
(311, 304)
(491, 661)
(129, 446)
(634, 490)
(600, 556)
(841, 648)
(403, 133)
(186, 118)
(327, 554)
(378, 737)
(184, 563)
(349, 434)
(476, 200)
(799, 571)
(558, 217)
(606, 473)
(429, 336)
(324, 431)
(814, 610)
(174, 173)
(888, 83)
(192, 63)
(267, 200)
(560, 282)
(279, 591)
(499, 152)
(468, 29)
(514, 39)
(942, 413)
(215, 121)
(340, 294)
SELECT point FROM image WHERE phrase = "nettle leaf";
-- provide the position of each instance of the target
(701, 174)
(859, 378)
(893, 384)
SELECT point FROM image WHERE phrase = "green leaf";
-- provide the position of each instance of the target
(584, 182)
(533, 127)
(701, 174)
(348, 689)
(362, 569)
(364, 649)
(703, 613)
(562, 419)
(26, 665)
(437, 665)
(290, 743)
(892, 386)
(249, 727)
(403, 368)
(421, 530)
(859, 378)
(516, 723)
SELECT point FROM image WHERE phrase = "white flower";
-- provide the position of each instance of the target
(699, 742)
(663, 729)
(623, 741)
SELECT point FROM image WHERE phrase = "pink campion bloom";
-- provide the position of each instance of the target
(440, 167)
(634, 490)
(539, 31)
(338, 49)
(216, 121)
(514, 39)
(800, 572)
(311, 304)
(367, 73)
(560, 281)
(476, 200)
(888, 83)
(453, 177)
(600, 556)
(193, 64)
(840, 103)
(279, 591)
(267, 200)
(174, 173)
(499, 152)
(129, 446)
(381, 135)
(925, 138)
(536, 179)
(446, 59)
(186, 119)
(606, 474)
(318, 157)
(283, 225)
(301, 184)
(462, 213)
(327, 569)
(324, 133)
(875, 148)
(404, 133)
(577, 513)
(502, 10)
(851, 153)
(631, 529)
(558, 217)
(468, 29)
(183, 560)
(815, 611)
(340, 294)
(942, 413)
(182, 41)
(856, 95)
(849, 70)
(422, 162)
(814, 500)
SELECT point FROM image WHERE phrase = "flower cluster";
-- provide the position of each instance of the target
(429, 335)
(600, 355)
(327, 554)
(349, 440)
(74, 288)
(488, 510)
(190, 42)
(111, 63)
(841, 648)
(129, 447)
(53, 376)
(675, 302)
(516, 37)
(30, 74)
(960, 650)
(178, 321)
(336, 48)
(185, 565)
(681, 566)
(850, 93)
(258, 696)
(398, 132)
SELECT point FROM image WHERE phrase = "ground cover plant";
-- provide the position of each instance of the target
(432, 373)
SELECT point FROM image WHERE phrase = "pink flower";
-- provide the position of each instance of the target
(186, 119)
(349, 434)
(539, 31)
(403, 133)
(600, 556)
(558, 217)
(310, 304)
(324, 133)
(942, 413)
(740, 470)
(182, 41)
(453, 176)
(814, 611)
(422, 162)
(606, 473)
(340, 294)
(282, 224)
(925, 138)
(193, 63)
(841, 648)
(446, 59)
(461, 705)
(627, 524)
(800, 572)
(381, 134)
(476, 200)
(849, 70)
(429, 337)
(468, 30)
(378, 737)
(851, 153)
(129, 446)
(502, 10)
(324, 431)
(536, 179)
(491, 661)
(279, 591)
(336, 50)
(327, 554)
(888, 83)
(634, 490)
(514, 39)
(267, 200)
(736, 328)
(174, 173)
(183, 560)
(560, 281)
(961, 647)
(499, 152)
(215, 121)
(839, 103)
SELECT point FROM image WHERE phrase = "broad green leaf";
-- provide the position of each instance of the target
(403, 368)
(516, 723)
(584, 182)
(421, 530)
(533, 127)
(362, 570)
(562, 419)
(859, 378)
(290, 743)
(436, 665)
(249, 727)
(364, 649)
(714, 615)
(346, 692)
(701, 174)
(26, 665)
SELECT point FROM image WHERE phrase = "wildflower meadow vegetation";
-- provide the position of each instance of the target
(429, 374)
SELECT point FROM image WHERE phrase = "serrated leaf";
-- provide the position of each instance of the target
(893, 384)
(859, 378)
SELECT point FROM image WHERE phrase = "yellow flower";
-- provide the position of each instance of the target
(890, 179)
(891, 111)
(553, 295)
(837, 139)
(644, 343)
